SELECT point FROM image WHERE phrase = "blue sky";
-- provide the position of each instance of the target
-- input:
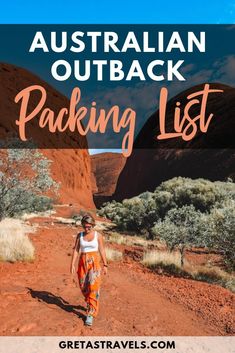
(122, 11)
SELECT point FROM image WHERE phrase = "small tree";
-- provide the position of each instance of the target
(180, 229)
(24, 180)
(221, 228)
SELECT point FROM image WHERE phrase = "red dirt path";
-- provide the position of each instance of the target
(40, 298)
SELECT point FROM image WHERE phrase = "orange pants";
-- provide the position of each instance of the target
(89, 277)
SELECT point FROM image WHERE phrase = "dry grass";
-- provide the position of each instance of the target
(130, 240)
(63, 220)
(14, 243)
(213, 275)
(113, 255)
(103, 226)
(155, 258)
(171, 262)
(27, 216)
(116, 238)
(137, 241)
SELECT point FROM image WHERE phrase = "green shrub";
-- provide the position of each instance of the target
(184, 212)
(135, 214)
(180, 229)
(24, 181)
(201, 193)
(221, 232)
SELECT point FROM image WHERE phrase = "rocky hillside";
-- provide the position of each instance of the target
(149, 165)
(70, 166)
(106, 168)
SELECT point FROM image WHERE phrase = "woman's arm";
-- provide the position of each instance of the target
(75, 254)
(102, 251)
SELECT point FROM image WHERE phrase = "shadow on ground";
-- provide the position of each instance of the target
(50, 298)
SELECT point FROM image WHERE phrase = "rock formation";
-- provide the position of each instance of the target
(70, 166)
(149, 164)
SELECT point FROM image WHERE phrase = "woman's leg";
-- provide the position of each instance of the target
(94, 285)
(83, 276)
(89, 277)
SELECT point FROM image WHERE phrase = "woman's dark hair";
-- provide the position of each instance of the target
(88, 219)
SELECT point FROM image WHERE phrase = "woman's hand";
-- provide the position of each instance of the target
(75, 256)
(102, 253)
(72, 269)
(105, 270)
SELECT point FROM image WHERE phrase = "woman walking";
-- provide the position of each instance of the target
(90, 245)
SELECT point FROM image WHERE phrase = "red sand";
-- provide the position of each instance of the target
(40, 298)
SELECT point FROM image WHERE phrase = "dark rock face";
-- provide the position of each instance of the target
(106, 168)
(149, 164)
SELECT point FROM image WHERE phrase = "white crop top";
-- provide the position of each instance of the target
(88, 246)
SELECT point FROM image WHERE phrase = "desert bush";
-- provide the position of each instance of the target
(111, 210)
(164, 201)
(24, 181)
(141, 212)
(135, 214)
(14, 243)
(180, 229)
(201, 193)
(183, 212)
(220, 232)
